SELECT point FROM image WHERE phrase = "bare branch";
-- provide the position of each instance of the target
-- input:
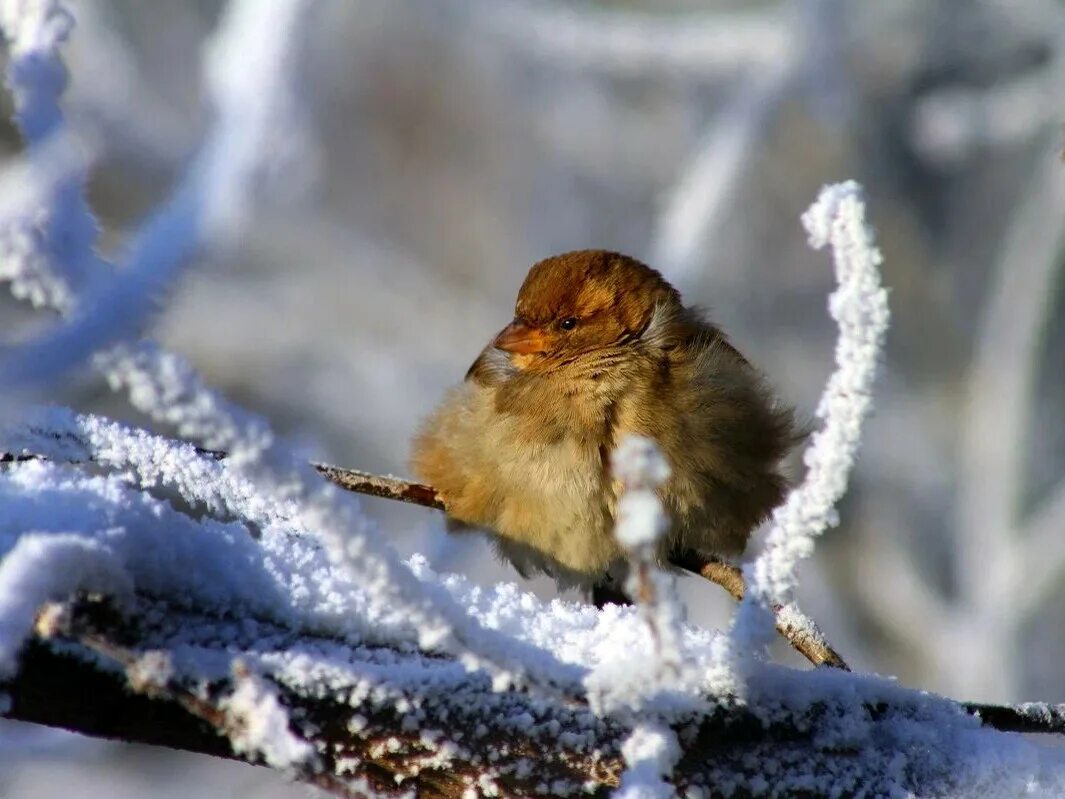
(386, 487)
(794, 626)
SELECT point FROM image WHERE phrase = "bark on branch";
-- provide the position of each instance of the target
(79, 675)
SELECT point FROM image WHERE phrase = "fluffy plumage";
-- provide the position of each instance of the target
(601, 346)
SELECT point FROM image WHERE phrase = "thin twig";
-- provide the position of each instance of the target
(386, 487)
(794, 626)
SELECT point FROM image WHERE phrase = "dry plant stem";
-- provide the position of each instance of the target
(812, 646)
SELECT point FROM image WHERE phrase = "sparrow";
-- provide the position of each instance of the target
(602, 346)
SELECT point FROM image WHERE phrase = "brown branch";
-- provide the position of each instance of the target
(794, 626)
(198, 703)
(386, 487)
(59, 687)
(1031, 717)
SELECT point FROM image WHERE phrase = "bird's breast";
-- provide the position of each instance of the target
(555, 510)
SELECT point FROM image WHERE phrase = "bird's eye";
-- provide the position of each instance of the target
(568, 323)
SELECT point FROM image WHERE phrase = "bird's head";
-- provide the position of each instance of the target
(579, 304)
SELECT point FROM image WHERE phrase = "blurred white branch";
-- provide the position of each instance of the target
(914, 612)
(951, 124)
(697, 205)
(1042, 553)
(993, 561)
(635, 42)
(113, 99)
(1007, 559)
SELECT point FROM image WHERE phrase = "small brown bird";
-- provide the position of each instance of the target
(601, 346)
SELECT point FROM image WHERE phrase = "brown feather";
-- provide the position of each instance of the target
(521, 448)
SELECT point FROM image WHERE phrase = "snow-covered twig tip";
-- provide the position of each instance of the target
(641, 523)
(651, 750)
(859, 306)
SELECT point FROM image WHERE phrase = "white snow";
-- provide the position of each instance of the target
(258, 724)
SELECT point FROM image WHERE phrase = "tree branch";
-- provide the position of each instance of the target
(80, 674)
(386, 487)
(794, 626)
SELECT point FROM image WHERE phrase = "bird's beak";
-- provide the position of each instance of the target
(519, 338)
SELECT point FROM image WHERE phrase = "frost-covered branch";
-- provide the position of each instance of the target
(255, 43)
(390, 721)
(860, 308)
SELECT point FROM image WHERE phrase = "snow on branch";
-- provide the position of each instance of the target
(392, 721)
(859, 306)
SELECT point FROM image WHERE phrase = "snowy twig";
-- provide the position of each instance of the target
(641, 522)
(794, 626)
(860, 308)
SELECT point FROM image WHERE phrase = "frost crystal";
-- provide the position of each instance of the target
(258, 724)
(650, 753)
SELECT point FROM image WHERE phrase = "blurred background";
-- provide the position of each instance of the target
(456, 142)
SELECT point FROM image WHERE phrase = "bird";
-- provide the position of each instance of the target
(601, 346)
